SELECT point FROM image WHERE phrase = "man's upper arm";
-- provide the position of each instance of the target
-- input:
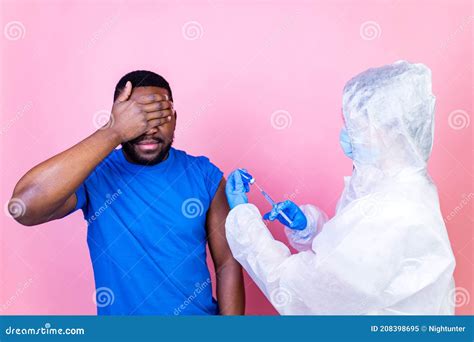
(67, 208)
(215, 223)
(76, 201)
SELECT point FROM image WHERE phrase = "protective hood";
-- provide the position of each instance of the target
(388, 113)
(389, 118)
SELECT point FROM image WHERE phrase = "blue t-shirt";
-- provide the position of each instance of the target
(147, 234)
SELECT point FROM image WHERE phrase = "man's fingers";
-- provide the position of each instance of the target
(157, 122)
(154, 106)
(125, 93)
(160, 114)
(150, 98)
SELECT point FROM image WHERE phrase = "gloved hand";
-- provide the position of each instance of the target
(345, 143)
(294, 213)
(236, 189)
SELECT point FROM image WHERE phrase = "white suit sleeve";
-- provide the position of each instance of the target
(302, 240)
(254, 247)
(349, 272)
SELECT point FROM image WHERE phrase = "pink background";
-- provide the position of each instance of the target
(240, 63)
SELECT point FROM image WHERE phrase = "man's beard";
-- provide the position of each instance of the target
(137, 158)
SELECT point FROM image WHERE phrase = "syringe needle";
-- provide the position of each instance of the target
(272, 202)
(258, 186)
(251, 180)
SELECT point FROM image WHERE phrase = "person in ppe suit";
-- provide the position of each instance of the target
(386, 251)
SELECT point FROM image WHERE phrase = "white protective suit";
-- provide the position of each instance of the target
(386, 251)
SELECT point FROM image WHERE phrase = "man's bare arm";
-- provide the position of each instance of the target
(230, 284)
(47, 191)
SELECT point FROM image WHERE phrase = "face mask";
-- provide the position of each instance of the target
(345, 143)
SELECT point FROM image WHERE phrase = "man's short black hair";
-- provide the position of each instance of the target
(142, 78)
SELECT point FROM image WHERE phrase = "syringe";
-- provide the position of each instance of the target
(251, 180)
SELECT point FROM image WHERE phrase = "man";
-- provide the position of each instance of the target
(386, 251)
(150, 209)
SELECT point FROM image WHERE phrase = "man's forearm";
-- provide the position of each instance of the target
(48, 185)
(230, 289)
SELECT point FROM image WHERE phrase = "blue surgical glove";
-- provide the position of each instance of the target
(345, 143)
(294, 213)
(236, 188)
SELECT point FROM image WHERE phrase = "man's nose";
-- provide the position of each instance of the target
(152, 131)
